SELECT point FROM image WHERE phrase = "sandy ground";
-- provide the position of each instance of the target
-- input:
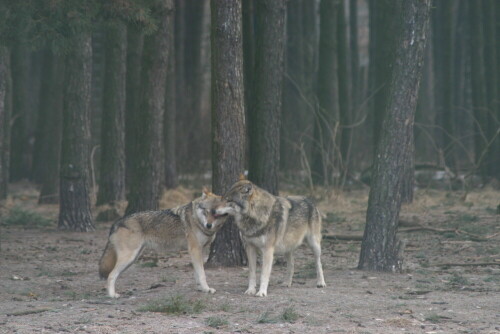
(49, 281)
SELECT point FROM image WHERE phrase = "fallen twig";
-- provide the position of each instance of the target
(477, 264)
(26, 312)
(346, 237)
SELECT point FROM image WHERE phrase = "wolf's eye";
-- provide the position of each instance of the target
(246, 190)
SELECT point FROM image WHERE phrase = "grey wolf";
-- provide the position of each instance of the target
(193, 225)
(273, 224)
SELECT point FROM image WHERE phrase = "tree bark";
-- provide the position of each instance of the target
(74, 211)
(19, 159)
(145, 177)
(51, 109)
(478, 79)
(171, 180)
(345, 101)
(327, 92)
(267, 90)
(443, 43)
(228, 120)
(112, 175)
(135, 41)
(380, 249)
(5, 114)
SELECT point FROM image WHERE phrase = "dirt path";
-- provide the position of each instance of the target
(49, 283)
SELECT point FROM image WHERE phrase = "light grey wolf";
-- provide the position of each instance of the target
(193, 225)
(273, 224)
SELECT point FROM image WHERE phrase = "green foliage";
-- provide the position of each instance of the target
(20, 217)
(174, 305)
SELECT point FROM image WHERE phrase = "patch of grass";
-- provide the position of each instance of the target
(150, 264)
(85, 251)
(289, 314)
(458, 280)
(225, 307)
(332, 217)
(467, 218)
(67, 273)
(216, 322)
(307, 271)
(492, 278)
(25, 218)
(434, 318)
(174, 305)
(266, 318)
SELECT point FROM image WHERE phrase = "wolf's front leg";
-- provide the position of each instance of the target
(252, 267)
(196, 252)
(267, 264)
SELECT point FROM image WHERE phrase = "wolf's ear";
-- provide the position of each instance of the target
(242, 177)
(205, 192)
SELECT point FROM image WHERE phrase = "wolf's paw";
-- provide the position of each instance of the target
(250, 291)
(206, 289)
(261, 293)
(320, 284)
(286, 284)
(114, 295)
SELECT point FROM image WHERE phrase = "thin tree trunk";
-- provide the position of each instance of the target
(5, 113)
(327, 91)
(171, 180)
(267, 90)
(478, 78)
(354, 48)
(51, 146)
(74, 211)
(380, 249)
(345, 111)
(19, 162)
(147, 164)
(228, 120)
(492, 162)
(112, 175)
(135, 40)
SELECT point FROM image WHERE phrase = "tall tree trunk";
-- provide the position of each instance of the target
(112, 175)
(443, 40)
(354, 52)
(171, 180)
(135, 41)
(5, 114)
(492, 161)
(345, 111)
(327, 91)
(248, 12)
(381, 250)
(19, 161)
(267, 90)
(146, 169)
(51, 109)
(478, 78)
(228, 120)
(382, 44)
(294, 90)
(74, 211)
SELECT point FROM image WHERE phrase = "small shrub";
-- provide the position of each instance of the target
(174, 305)
(289, 314)
(216, 322)
(266, 318)
(150, 264)
(21, 217)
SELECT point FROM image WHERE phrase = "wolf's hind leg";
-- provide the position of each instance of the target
(290, 266)
(314, 242)
(125, 257)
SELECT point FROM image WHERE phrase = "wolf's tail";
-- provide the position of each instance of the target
(107, 261)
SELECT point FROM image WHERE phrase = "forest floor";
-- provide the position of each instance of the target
(451, 281)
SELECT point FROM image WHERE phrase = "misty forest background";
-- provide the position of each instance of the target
(102, 102)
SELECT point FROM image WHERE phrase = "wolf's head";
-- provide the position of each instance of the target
(240, 195)
(205, 210)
